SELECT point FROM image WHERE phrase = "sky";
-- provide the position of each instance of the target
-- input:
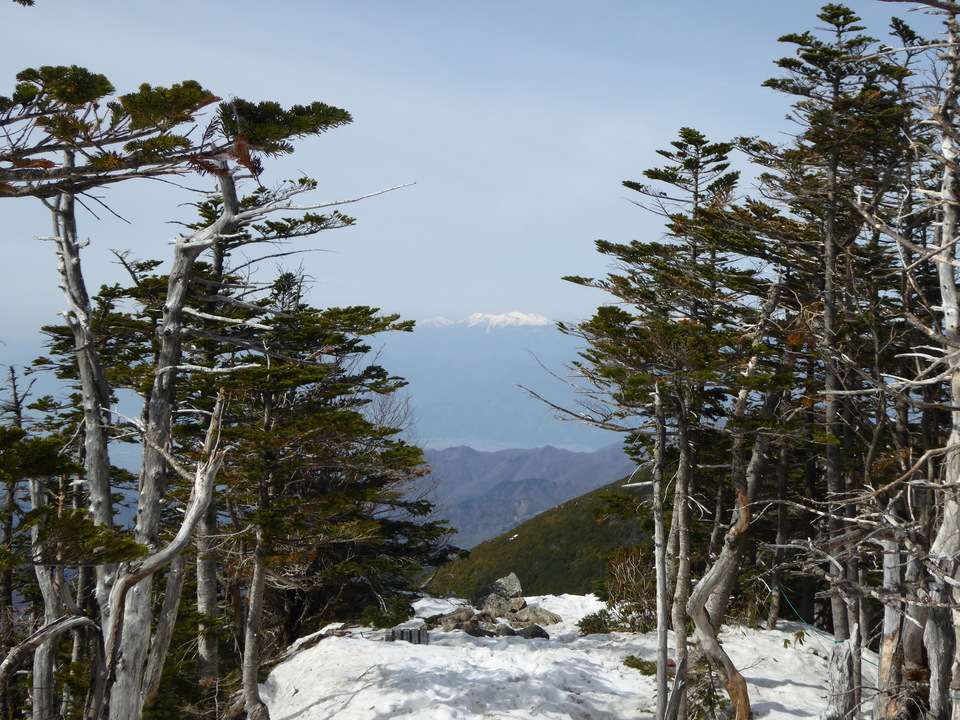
(517, 122)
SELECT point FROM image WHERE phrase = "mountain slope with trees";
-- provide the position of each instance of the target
(562, 550)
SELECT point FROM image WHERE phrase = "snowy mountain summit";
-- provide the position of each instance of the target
(490, 322)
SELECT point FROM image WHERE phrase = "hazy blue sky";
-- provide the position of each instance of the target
(516, 120)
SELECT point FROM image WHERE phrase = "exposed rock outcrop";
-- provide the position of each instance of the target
(503, 612)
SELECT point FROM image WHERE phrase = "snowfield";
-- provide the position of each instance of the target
(358, 676)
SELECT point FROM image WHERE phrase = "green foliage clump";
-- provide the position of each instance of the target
(647, 667)
(267, 127)
(163, 107)
(394, 611)
(601, 622)
(68, 85)
(69, 536)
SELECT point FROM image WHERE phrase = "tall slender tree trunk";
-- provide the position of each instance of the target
(659, 552)
(208, 607)
(890, 674)
(11, 703)
(207, 604)
(681, 591)
(128, 692)
(945, 550)
(255, 707)
(833, 469)
(783, 474)
(166, 621)
(95, 390)
(44, 658)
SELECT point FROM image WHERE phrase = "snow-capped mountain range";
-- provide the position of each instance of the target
(491, 322)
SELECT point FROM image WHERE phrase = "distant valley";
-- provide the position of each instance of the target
(499, 456)
(484, 494)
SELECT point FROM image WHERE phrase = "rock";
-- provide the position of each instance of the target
(517, 604)
(454, 620)
(504, 630)
(487, 618)
(532, 614)
(506, 587)
(533, 631)
(497, 606)
(472, 627)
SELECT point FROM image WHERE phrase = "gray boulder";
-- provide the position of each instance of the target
(532, 614)
(498, 607)
(472, 627)
(506, 587)
(456, 619)
(533, 631)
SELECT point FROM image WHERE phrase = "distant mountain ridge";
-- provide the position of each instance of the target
(484, 494)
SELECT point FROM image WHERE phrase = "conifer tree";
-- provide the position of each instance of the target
(855, 109)
(318, 491)
(672, 350)
(66, 132)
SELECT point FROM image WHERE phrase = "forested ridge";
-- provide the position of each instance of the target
(785, 360)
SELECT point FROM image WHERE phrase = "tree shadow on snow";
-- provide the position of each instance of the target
(570, 687)
(771, 683)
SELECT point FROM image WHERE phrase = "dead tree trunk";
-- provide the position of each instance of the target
(135, 641)
(681, 590)
(727, 562)
(45, 655)
(131, 577)
(842, 701)
(256, 709)
(207, 605)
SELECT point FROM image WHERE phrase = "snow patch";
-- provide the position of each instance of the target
(458, 677)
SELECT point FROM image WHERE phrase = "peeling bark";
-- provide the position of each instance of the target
(727, 562)
(841, 703)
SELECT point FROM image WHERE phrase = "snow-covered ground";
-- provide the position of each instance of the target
(358, 676)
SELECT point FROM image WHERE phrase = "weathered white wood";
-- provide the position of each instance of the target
(126, 692)
(890, 675)
(44, 635)
(940, 643)
(660, 552)
(841, 700)
(678, 692)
